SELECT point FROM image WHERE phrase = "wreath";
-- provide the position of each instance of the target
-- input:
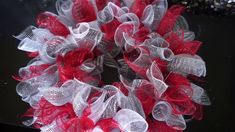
(149, 45)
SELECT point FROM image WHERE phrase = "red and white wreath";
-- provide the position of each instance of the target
(149, 45)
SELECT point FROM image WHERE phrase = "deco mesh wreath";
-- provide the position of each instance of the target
(150, 46)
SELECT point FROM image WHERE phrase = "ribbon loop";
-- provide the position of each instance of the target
(162, 111)
(156, 78)
(62, 95)
(131, 123)
(199, 95)
(188, 64)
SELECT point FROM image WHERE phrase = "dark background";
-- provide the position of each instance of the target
(216, 32)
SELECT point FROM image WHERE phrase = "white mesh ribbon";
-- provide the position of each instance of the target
(30, 121)
(94, 34)
(130, 17)
(29, 89)
(88, 66)
(115, 101)
(199, 95)
(188, 64)
(162, 111)
(123, 34)
(189, 36)
(80, 31)
(181, 24)
(121, 101)
(80, 100)
(153, 14)
(99, 106)
(52, 48)
(132, 85)
(160, 8)
(128, 3)
(176, 121)
(110, 61)
(29, 45)
(64, 9)
(130, 42)
(125, 71)
(112, 11)
(143, 60)
(93, 66)
(182, 29)
(53, 127)
(159, 47)
(128, 29)
(60, 95)
(148, 16)
(133, 103)
(27, 33)
(108, 13)
(37, 34)
(25, 72)
(130, 121)
(97, 129)
(42, 35)
(156, 78)
(32, 39)
(85, 30)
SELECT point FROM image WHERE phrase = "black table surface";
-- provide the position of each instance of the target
(216, 33)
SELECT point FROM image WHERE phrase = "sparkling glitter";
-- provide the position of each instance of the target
(210, 7)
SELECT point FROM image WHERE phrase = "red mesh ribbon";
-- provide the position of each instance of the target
(68, 65)
(121, 87)
(129, 57)
(162, 64)
(109, 29)
(181, 103)
(29, 113)
(179, 46)
(108, 124)
(101, 4)
(179, 95)
(141, 34)
(51, 22)
(177, 79)
(38, 69)
(116, 2)
(146, 96)
(198, 115)
(46, 113)
(83, 11)
(168, 21)
(82, 124)
(32, 54)
(35, 70)
(138, 6)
